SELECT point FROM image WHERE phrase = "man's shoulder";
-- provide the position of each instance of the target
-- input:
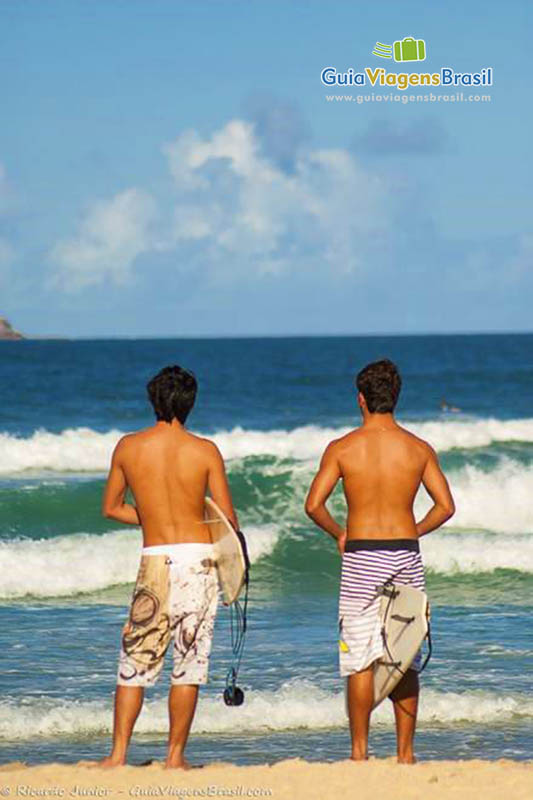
(202, 444)
(416, 442)
(129, 444)
(130, 440)
(348, 439)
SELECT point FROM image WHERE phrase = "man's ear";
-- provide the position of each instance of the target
(361, 401)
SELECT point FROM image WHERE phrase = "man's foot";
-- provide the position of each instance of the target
(110, 762)
(358, 758)
(406, 759)
(178, 762)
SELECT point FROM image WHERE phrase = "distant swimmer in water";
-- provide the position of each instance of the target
(445, 406)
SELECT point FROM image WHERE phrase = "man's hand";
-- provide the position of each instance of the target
(437, 487)
(217, 483)
(341, 542)
(113, 505)
(323, 484)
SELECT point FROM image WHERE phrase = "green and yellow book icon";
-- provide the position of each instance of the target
(410, 49)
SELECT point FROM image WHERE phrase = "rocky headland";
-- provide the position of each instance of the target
(7, 331)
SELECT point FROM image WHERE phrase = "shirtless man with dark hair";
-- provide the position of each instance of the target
(169, 471)
(382, 466)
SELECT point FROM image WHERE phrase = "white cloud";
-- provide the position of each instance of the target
(112, 235)
(237, 213)
(188, 153)
(243, 213)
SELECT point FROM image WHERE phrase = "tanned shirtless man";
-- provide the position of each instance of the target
(381, 466)
(169, 471)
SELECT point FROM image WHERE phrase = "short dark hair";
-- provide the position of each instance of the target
(172, 393)
(380, 384)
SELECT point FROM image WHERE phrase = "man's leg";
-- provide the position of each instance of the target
(128, 703)
(182, 701)
(360, 699)
(193, 606)
(405, 700)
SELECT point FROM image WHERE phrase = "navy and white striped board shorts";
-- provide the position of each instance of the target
(367, 564)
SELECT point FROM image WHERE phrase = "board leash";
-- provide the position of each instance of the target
(233, 694)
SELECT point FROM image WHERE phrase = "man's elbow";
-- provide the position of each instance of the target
(311, 507)
(107, 512)
(449, 509)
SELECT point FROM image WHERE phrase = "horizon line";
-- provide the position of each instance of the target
(244, 336)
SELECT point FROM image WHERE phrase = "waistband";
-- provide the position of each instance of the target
(352, 545)
(181, 551)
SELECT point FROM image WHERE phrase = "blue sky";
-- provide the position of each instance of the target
(174, 169)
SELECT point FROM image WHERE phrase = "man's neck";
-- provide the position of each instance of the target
(173, 425)
(379, 421)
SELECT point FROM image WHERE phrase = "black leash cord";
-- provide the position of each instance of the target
(233, 696)
(238, 624)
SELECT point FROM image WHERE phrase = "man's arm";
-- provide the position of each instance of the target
(322, 486)
(218, 486)
(437, 487)
(113, 505)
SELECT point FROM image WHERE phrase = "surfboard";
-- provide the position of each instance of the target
(404, 612)
(231, 554)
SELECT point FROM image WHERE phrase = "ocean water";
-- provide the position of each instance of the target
(271, 405)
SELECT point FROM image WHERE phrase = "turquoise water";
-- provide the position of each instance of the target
(272, 406)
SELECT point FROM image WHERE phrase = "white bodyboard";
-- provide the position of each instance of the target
(230, 554)
(405, 622)
(405, 618)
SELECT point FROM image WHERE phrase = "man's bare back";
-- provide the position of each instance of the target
(382, 466)
(169, 472)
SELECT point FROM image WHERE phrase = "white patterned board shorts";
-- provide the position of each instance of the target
(175, 599)
(367, 564)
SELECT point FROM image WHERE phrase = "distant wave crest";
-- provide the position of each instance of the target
(82, 562)
(86, 450)
(296, 704)
(472, 553)
(65, 566)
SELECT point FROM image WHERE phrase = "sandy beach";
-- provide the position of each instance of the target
(294, 779)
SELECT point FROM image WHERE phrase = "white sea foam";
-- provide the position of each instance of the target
(72, 450)
(295, 705)
(469, 553)
(308, 442)
(467, 433)
(82, 562)
(86, 450)
(64, 566)
(499, 500)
